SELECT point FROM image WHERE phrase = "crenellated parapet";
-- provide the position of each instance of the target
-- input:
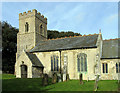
(33, 13)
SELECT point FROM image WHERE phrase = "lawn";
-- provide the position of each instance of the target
(10, 83)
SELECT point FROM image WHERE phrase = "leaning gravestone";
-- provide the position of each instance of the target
(96, 83)
(45, 80)
(54, 78)
(81, 78)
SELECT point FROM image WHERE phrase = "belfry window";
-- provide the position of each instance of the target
(117, 67)
(41, 29)
(26, 27)
(105, 67)
(54, 63)
(82, 62)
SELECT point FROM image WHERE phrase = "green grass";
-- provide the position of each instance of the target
(108, 85)
(72, 85)
(10, 83)
(8, 76)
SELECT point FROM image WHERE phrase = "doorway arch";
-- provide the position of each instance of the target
(23, 71)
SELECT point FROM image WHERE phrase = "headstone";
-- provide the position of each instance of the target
(96, 83)
(64, 77)
(59, 78)
(67, 77)
(54, 78)
(45, 80)
(81, 78)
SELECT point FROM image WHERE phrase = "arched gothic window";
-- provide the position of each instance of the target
(54, 63)
(82, 62)
(26, 27)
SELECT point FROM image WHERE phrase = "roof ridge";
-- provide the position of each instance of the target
(111, 39)
(72, 36)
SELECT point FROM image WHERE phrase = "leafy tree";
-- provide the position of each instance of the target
(57, 34)
(9, 43)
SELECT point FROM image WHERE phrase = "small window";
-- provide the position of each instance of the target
(117, 67)
(105, 67)
(41, 28)
(26, 27)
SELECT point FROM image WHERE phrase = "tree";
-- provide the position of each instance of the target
(57, 34)
(9, 43)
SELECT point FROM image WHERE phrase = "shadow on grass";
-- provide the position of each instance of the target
(24, 85)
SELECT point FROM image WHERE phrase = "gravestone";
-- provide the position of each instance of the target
(45, 80)
(67, 77)
(81, 78)
(59, 78)
(96, 83)
(64, 77)
(54, 78)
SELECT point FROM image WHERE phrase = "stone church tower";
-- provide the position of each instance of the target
(32, 29)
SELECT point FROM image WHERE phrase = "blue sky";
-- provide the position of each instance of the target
(81, 17)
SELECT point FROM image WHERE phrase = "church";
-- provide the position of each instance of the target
(87, 54)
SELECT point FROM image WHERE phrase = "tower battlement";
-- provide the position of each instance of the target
(34, 12)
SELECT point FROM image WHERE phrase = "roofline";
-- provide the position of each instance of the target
(65, 49)
(72, 36)
(111, 39)
(111, 58)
